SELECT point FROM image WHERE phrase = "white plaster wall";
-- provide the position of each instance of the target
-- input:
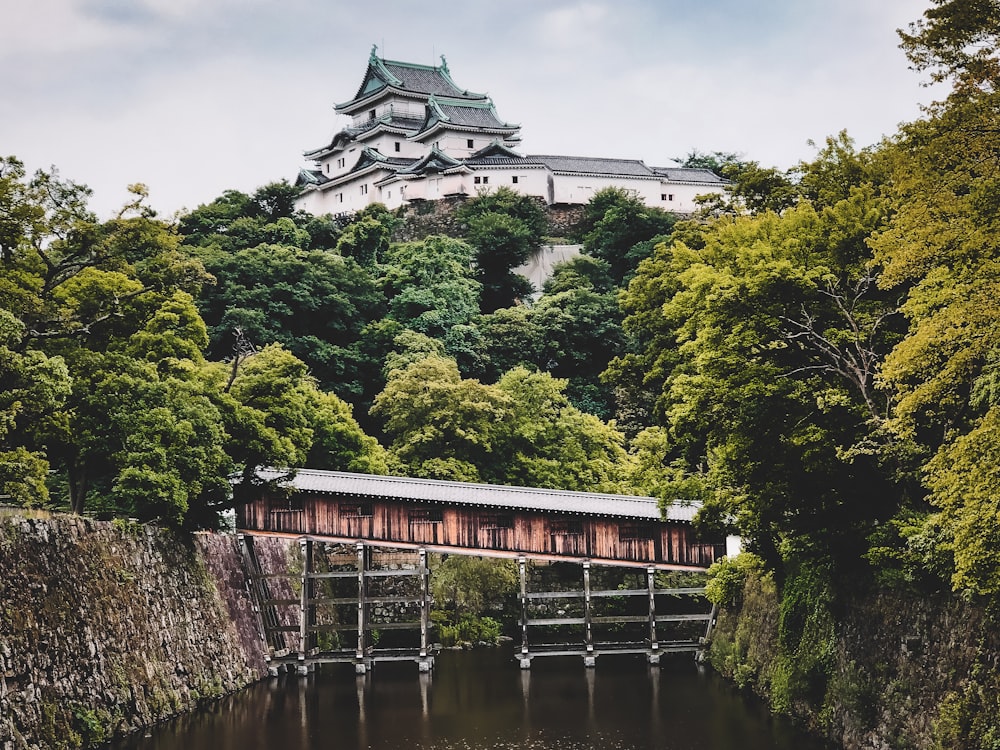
(684, 196)
(535, 182)
(573, 188)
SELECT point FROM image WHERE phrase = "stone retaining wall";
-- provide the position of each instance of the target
(907, 671)
(109, 627)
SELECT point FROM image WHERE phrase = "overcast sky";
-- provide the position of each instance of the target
(192, 97)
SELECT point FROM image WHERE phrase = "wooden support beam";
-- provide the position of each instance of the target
(386, 573)
(257, 588)
(654, 646)
(589, 660)
(424, 664)
(360, 656)
(306, 610)
(522, 567)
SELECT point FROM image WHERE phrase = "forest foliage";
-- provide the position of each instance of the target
(812, 357)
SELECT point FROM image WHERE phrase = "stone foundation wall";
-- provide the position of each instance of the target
(907, 672)
(425, 218)
(109, 627)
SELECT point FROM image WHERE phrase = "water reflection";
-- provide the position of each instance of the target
(481, 700)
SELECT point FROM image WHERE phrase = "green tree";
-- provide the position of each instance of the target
(466, 591)
(523, 430)
(430, 285)
(583, 271)
(616, 221)
(547, 442)
(316, 304)
(505, 227)
(365, 240)
(31, 411)
(441, 425)
(237, 221)
(941, 249)
(502, 244)
(581, 332)
(715, 161)
(957, 40)
(762, 345)
(507, 202)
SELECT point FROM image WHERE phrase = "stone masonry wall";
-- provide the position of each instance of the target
(425, 218)
(109, 627)
(908, 672)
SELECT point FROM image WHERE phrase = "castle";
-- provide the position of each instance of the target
(415, 135)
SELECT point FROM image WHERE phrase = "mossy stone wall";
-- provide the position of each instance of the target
(109, 627)
(905, 672)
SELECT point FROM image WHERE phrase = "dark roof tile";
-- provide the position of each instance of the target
(594, 165)
(481, 495)
(689, 174)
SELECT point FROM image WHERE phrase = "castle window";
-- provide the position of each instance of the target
(477, 179)
(371, 114)
(514, 179)
(340, 163)
(670, 197)
(663, 196)
(340, 197)
(364, 189)
(396, 145)
(327, 168)
(485, 179)
(470, 143)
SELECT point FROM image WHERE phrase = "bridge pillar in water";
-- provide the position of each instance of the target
(307, 607)
(525, 658)
(589, 658)
(361, 653)
(654, 646)
(426, 661)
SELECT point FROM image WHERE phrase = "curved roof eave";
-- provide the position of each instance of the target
(340, 139)
(346, 108)
(441, 125)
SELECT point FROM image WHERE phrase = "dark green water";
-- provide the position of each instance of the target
(481, 699)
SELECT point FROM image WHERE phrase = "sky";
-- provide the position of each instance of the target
(194, 97)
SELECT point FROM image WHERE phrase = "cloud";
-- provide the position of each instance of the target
(196, 96)
(578, 25)
(43, 28)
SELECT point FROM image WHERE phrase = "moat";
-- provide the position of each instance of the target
(480, 699)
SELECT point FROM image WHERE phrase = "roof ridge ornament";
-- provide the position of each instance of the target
(444, 65)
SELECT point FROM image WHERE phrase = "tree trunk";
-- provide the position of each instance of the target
(77, 476)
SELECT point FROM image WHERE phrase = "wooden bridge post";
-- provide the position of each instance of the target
(257, 588)
(306, 608)
(425, 661)
(361, 655)
(522, 567)
(589, 660)
(654, 646)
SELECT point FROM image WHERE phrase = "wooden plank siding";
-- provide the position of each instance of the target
(527, 532)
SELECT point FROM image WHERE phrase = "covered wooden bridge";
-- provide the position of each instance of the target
(485, 519)
(371, 514)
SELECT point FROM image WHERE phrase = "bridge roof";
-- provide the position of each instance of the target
(481, 495)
